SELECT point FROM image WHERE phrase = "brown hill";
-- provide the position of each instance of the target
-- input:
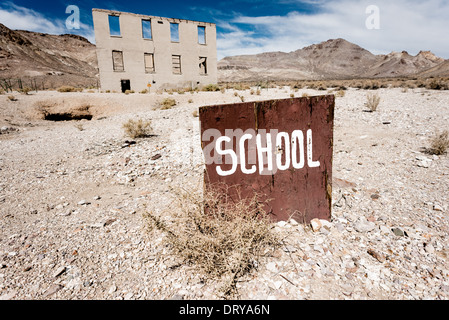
(54, 60)
(441, 70)
(332, 59)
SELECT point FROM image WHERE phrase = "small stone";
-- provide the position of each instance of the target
(423, 164)
(59, 271)
(53, 289)
(380, 257)
(375, 196)
(315, 224)
(362, 225)
(399, 232)
(97, 198)
(429, 248)
(155, 157)
(83, 202)
(281, 224)
(437, 207)
(112, 289)
(109, 221)
(97, 225)
(64, 214)
(128, 296)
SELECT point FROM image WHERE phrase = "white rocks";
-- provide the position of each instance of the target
(320, 225)
(363, 225)
(315, 224)
(119, 259)
(112, 289)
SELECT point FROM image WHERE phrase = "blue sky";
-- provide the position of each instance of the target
(254, 26)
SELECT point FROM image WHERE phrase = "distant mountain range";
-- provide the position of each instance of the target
(57, 60)
(332, 59)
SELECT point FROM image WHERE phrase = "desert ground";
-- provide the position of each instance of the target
(73, 198)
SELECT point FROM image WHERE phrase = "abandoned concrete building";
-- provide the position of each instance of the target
(138, 52)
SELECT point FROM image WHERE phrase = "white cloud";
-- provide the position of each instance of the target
(21, 18)
(410, 25)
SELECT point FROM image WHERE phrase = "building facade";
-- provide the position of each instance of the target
(137, 52)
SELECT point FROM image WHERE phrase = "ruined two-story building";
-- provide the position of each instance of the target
(137, 52)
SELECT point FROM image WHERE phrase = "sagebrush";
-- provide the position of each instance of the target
(372, 102)
(439, 144)
(138, 129)
(167, 103)
(223, 239)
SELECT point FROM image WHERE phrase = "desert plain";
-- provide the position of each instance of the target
(74, 194)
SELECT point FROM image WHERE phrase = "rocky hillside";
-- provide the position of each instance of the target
(53, 60)
(333, 59)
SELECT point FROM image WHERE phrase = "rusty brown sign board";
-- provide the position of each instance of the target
(279, 149)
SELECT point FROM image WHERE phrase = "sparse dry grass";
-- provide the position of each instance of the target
(138, 129)
(167, 103)
(439, 144)
(372, 102)
(223, 239)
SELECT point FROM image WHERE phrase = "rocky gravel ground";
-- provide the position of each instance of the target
(73, 195)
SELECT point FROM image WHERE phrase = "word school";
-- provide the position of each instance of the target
(287, 149)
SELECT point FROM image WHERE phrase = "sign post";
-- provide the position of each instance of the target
(280, 150)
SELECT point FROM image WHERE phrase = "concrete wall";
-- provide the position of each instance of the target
(133, 46)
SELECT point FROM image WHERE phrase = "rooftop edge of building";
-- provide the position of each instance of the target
(151, 17)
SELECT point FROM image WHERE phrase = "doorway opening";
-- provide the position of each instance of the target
(126, 85)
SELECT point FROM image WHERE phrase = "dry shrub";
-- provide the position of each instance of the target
(195, 113)
(211, 87)
(69, 89)
(340, 93)
(25, 90)
(439, 144)
(372, 102)
(167, 103)
(223, 238)
(138, 129)
(437, 84)
(12, 98)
